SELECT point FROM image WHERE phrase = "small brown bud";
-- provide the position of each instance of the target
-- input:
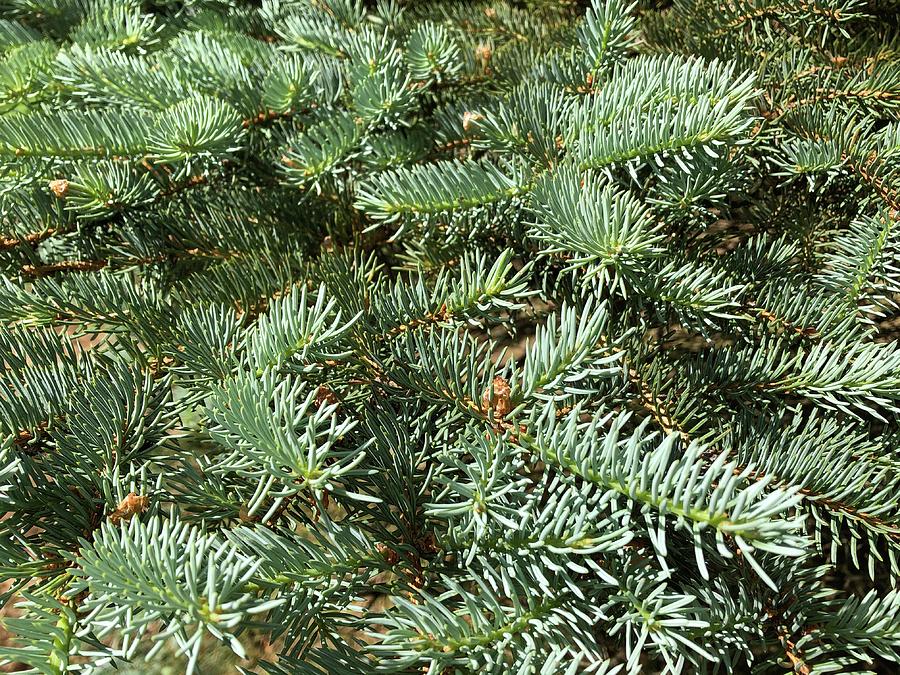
(59, 188)
(132, 504)
(426, 544)
(469, 118)
(390, 555)
(483, 53)
(324, 396)
(496, 398)
(443, 314)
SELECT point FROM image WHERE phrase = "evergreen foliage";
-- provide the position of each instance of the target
(534, 336)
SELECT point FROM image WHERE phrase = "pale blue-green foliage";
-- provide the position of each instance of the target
(842, 467)
(127, 424)
(477, 290)
(697, 295)
(432, 54)
(862, 266)
(104, 299)
(40, 371)
(606, 228)
(663, 129)
(321, 149)
(490, 512)
(215, 69)
(604, 35)
(568, 352)
(297, 331)
(74, 135)
(530, 122)
(289, 85)
(14, 34)
(99, 74)
(25, 73)
(395, 147)
(446, 337)
(455, 638)
(49, 628)
(381, 91)
(118, 25)
(711, 500)
(98, 190)
(701, 190)
(645, 83)
(207, 337)
(203, 576)
(278, 434)
(439, 189)
(858, 625)
(193, 129)
(453, 368)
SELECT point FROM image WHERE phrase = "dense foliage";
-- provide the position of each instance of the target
(502, 337)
